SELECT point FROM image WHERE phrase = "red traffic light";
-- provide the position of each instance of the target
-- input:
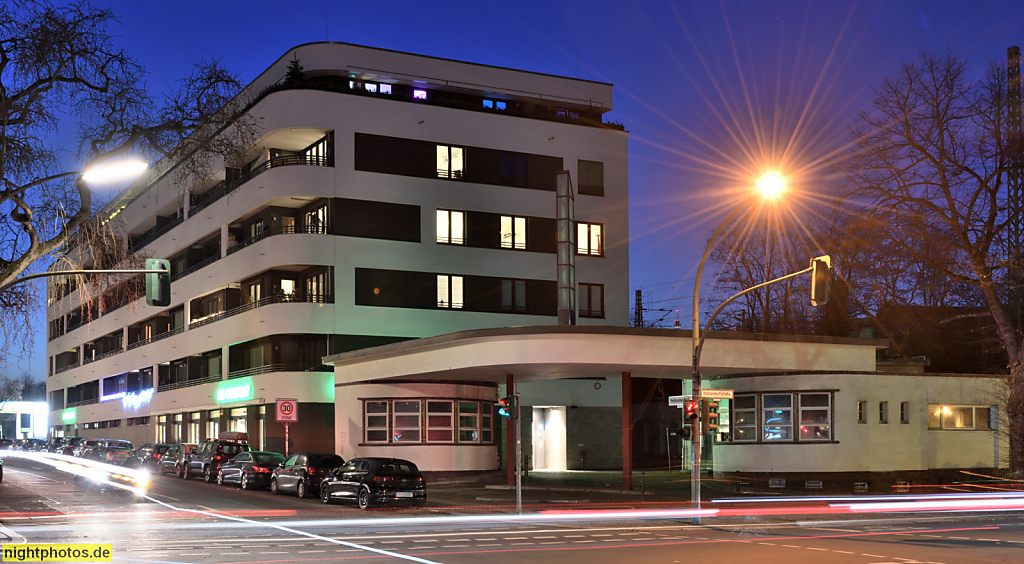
(507, 406)
(691, 408)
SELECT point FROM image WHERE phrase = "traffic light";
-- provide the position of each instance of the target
(690, 411)
(683, 433)
(709, 412)
(507, 407)
(158, 284)
(821, 277)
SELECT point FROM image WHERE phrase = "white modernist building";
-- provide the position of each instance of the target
(391, 196)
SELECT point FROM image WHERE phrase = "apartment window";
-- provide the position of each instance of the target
(513, 169)
(375, 421)
(591, 300)
(406, 421)
(904, 412)
(862, 412)
(815, 416)
(469, 422)
(962, 417)
(744, 415)
(495, 104)
(451, 227)
(385, 89)
(315, 219)
(371, 87)
(440, 427)
(513, 232)
(591, 178)
(450, 161)
(883, 412)
(449, 291)
(513, 295)
(812, 412)
(419, 94)
(318, 286)
(778, 417)
(255, 291)
(589, 239)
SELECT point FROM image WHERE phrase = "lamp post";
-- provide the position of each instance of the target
(769, 186)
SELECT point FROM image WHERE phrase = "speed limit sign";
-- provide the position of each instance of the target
(287, 410)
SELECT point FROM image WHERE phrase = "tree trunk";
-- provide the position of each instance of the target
(1015, 417)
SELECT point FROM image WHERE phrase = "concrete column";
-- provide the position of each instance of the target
(225, 362)
(627, 431)
(224, 241)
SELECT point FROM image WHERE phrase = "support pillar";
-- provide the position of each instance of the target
(627, 431)
(510, 435)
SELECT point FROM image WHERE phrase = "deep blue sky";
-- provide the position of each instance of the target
(710, 93)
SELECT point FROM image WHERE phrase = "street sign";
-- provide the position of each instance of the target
(287, 410)
(706, 393)
(678, 401)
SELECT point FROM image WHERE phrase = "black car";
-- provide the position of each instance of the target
(250, 469)
(368, 481)
(127, 463)
(68, 444)
(302, 472)
(209, 455)
(151, 453)
(7, 444)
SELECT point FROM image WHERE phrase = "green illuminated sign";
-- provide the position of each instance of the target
(69, 415)
(237, 392)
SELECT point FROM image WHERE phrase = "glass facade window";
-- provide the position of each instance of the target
(589, 240)
(449, 291)
(513, 232)
(450, 161)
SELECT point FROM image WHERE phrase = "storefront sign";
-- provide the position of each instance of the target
(69, 415)
(135, 400)
(234, 393)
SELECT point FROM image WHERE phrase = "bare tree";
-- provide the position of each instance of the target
(929, 160)
(58, 61)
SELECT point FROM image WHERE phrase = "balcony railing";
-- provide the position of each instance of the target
(83, 402)
(188, 383)
(195, 267)
(71, 366)
(102, 356)
(154, 338)
(224, 187)
(276, 299)
(284, 230)
(267, 368)
(150, 236)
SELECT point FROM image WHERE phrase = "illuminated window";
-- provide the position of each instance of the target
(815, 417)
(513, 232)
(812, 412)
(450, 162)
(419, 94)
(371, 87)
(965, 417)
(449, 291)
(494, 104)
(451, 227)
(589, 239)
(777, 414)
(489, 104)
(744, 418)
(385, 89)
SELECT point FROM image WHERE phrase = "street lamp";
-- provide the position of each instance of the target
(769, 186)
(118, 170)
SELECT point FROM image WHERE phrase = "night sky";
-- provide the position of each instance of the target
(712, 94)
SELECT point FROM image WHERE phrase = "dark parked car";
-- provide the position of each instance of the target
(368, 481)
(7, 444)
(209, 455)
(151, 453)
(302, 472)
(86, 444)
(173, 461)
(250, 469)
(118, 456)
(53, 443)
(68, 445)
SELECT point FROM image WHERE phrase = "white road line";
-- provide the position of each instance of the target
(814, 548)
(791, 546)
(585, 541)
(990, 540)
(842, 552)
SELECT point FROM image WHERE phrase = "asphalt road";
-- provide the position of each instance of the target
(190, 521)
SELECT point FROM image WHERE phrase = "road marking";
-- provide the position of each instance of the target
(392, 542)
(872, 555)
(524, 543)
(260, 553)
(547, 537)
(843, 552)
(515, 538)
(813, 548)
(310, 551)
(553, 542)
(494, 544)
(791, 546)
(990, 540)
(427, 540)
(583, 541)
(959, 538)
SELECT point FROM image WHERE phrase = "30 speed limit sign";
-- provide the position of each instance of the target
(287, 410)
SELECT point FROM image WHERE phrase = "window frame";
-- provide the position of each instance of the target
(943, 411)
(449, 421)
(587, 171)
(755, 427)
(586, 234)
(513, 232)
(590, 311)
(451, 161)
(450, 291)
(449, 223)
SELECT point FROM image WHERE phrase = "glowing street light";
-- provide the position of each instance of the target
(769, 186)
(117, 170)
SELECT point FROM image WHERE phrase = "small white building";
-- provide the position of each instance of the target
(23, 419)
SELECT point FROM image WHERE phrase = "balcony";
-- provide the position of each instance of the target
(308, 367)
(284, 230)
(278, 299)
(154, 338)
(188, 383)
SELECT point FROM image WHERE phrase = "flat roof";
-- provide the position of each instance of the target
(555, 352)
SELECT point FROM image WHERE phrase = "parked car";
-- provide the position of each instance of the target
(250, 469)
(118, 456)
(369, 481)
(53, 443)
(85, 444)
(175, 459)
(151, 453)
(117, 443)
(68, 444)
(6, 444)
(209, 455)
(33, 445)
(302, 472)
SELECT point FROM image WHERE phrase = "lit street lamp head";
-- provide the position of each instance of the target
(771, 185)
(118, 170)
